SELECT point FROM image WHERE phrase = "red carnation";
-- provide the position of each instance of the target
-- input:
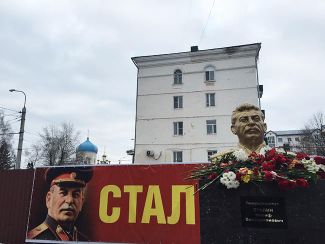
(286, 184)
(302, 183)
(259, 159)
(270, 154)
(301, 155)
(268, 166)
(268, 176)
(212, 176)
(280, 159)
(238, 176)
(319, 160)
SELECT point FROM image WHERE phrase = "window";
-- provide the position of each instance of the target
(209, 74)
(178, 76)
(280, 139)
(271, 141)
(178, 128)
(178, 101)
(177, 156)
(210, 99)
(297, 139)
(211, 126)
(211, 152)
(289, 139)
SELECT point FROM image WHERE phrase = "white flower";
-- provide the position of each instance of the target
(280, 150)
(229, 180)
(310, 165)
(231, 175)
(312, 168)
(232, 184)
(321, 166)
(274, 174)
(240, 155)
(292, 154)
(224, 180)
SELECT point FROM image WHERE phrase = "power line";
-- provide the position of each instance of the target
(9, 109)
(17, 118)
(12, 114)
(202, 33)
(11, 133)
(14, 122)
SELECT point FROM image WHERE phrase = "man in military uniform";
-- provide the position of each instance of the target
(64, 202)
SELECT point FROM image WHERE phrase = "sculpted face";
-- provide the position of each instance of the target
(249, 126)
(64, 203)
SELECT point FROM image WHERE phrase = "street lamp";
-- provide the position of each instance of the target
(21, 131)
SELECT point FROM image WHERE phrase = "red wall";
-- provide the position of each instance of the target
(15, 193)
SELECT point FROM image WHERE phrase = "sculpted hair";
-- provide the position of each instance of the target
(242, 108)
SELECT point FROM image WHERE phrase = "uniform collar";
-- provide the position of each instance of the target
(59, 231)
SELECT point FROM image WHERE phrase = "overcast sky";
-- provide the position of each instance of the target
(73, 58)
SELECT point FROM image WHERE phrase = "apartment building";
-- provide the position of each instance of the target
(288, 139)
(185, 100)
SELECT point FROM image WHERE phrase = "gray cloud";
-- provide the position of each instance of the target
(72, 58)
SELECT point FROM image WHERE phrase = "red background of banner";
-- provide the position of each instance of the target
(121, 231)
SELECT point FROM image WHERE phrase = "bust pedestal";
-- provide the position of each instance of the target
(262, 213)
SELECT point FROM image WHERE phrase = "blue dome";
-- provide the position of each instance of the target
(87, 146)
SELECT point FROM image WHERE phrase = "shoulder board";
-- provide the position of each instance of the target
(36, 231)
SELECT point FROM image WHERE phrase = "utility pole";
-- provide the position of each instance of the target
(21, 138)
(21, 131)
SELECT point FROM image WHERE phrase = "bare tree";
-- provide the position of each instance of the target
(57, 146)
(34, 157)
(7, 156)
(313, 140)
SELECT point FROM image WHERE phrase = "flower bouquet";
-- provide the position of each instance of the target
(287, 169)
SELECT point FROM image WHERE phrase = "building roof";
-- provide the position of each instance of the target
(199, 55)
(287, 132)
(87, 146)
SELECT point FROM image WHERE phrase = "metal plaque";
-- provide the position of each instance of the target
(263, 212)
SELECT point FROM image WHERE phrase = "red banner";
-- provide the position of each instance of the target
(122, 204)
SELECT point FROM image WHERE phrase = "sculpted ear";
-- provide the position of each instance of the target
(264, 127)
(233, 130)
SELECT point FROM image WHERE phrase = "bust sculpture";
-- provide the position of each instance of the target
(247, 122)
(253, 161)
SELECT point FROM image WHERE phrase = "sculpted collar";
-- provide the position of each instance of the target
(248, 151)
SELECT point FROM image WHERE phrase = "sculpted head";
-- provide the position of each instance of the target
(247, 122)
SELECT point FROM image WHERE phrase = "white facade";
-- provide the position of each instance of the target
(233, 81)
(86, 157)
(290, 139)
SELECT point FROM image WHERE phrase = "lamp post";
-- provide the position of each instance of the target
(21, 131)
